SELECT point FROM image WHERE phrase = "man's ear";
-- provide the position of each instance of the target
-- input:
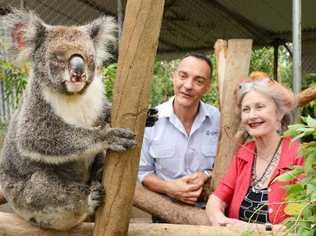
(24, 32)
(103, 33)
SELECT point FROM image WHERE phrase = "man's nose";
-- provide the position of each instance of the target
(188, 83)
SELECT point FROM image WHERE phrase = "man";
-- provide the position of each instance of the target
(179, 150)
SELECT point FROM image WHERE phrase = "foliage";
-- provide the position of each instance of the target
(109, 75)
(301, 197)
(262, 60)
(15, 79)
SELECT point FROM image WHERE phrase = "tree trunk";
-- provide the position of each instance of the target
(236, 66)
(132, 90)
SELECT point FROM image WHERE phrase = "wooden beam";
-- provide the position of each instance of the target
(160, 205)
(306, 96)
(137, 52)
(11, 225)
(236, 66)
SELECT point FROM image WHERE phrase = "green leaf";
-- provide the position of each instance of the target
(289, 175)
(313, 197)
(310, 161)
(310, 121)
(292, 131)
(294, 208)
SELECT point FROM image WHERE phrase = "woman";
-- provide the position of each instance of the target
(248, 192)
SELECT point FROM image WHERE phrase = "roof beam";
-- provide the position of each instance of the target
(96, 7)
(257, 31)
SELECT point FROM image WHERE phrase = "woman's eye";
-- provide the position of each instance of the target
(259, 106)
(246, 109)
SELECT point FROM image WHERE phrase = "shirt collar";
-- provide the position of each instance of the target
(166, 110)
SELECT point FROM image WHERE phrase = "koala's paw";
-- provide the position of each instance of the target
(96, 196)
(120, 139)
(152, 117)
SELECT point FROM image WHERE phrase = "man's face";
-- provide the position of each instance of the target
(191, 81)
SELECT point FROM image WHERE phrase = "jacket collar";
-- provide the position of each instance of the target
(247, 150)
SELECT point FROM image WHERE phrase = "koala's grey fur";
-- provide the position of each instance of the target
(57, 131)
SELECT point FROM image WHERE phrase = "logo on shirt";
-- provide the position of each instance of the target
(210, 132)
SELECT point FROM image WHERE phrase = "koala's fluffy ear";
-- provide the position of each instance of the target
(103, 33)
(23, 34)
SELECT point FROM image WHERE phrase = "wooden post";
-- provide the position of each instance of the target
(220, 49)
(132, 89)
(11, 225)
(162, 206)
(236, 66)
(306, 96)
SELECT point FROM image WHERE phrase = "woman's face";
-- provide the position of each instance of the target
(259, 115)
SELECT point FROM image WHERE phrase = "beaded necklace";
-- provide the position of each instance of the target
(257, 182)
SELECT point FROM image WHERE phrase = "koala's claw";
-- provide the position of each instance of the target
(120, 139)
(96, 196)
(152, 117)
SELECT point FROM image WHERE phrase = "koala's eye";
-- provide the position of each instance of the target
(58, 60)
(58, 57)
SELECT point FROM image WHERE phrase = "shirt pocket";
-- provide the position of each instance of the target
(165, 159)
(208, 156)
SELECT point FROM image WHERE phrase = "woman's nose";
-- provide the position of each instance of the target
(253, 113)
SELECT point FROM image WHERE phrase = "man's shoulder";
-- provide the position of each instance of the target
(211, 110)
(165, 109)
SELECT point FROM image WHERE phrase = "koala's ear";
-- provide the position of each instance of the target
(103, 33)
(23, 34)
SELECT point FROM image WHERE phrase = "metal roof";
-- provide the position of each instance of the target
(196, 24)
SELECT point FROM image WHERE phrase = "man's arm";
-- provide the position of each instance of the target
(183, 189)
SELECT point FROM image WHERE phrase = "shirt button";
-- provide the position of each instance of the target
(269, 190)
(270, 210)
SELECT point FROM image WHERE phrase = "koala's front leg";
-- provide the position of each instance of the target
(119, 139)
(66, 142)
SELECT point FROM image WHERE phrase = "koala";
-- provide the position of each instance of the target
(60, 128)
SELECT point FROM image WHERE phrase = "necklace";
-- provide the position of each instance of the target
(258, 182)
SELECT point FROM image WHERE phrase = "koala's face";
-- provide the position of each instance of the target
(71, 59)
(64, 58)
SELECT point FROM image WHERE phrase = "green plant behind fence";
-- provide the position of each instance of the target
(302, 195)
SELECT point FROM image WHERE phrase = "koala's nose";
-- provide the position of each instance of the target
(76, 65)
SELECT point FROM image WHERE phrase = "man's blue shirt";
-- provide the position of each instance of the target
(170, 153)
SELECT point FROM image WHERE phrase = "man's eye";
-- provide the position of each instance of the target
(182, 76)
(200, 81)
(245, 109)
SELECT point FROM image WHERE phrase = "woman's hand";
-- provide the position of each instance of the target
(215, 209)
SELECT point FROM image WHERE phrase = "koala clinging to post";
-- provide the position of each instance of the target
(60, 126)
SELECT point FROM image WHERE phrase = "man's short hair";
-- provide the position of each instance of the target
(201, 56)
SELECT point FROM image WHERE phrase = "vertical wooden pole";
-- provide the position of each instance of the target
(220, 49)
(236, 66)
(132, 89)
